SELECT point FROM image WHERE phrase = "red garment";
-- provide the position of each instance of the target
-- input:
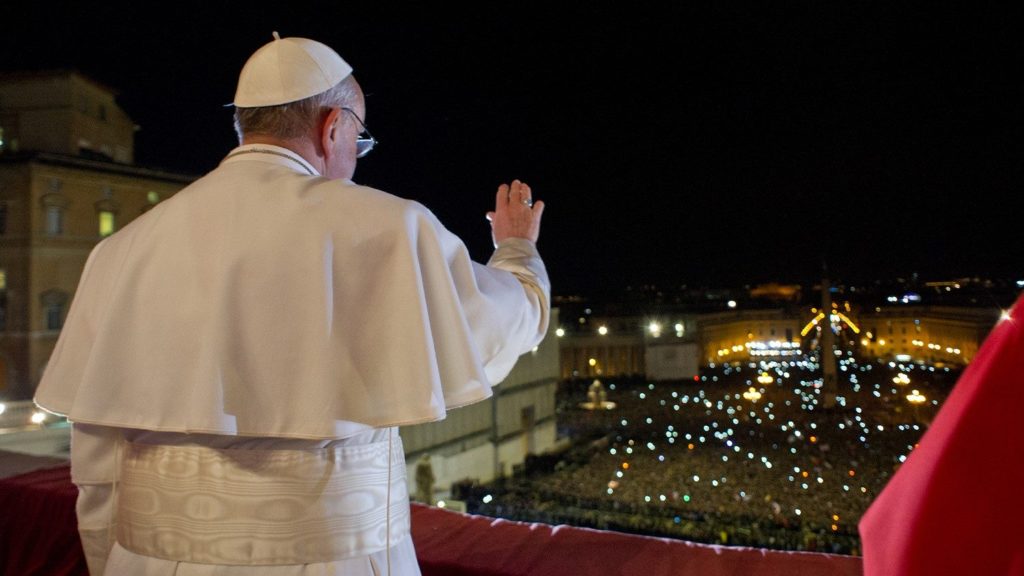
(955, 507)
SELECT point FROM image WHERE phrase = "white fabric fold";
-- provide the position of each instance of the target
(263, 302)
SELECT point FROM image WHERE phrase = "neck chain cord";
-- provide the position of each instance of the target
(298, 160)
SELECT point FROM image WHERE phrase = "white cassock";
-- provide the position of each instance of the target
(236, 360)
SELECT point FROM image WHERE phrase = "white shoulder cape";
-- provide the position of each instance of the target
(260, 301)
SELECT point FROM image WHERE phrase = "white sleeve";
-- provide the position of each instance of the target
(515, 285)
(94, 454)
(520, 257)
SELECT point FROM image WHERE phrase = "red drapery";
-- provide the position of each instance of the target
(955, 507)
(38, 528)
(38, 535)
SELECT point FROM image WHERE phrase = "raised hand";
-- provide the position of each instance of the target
(515, 213)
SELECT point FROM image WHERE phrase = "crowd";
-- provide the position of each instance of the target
(697, 460)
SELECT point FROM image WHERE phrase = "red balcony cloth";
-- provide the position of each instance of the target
(954, 507)
(453, 544)
(38, 528)
(38, 535)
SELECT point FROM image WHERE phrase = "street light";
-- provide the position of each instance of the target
(752, 395)
(916, 399)
(655, 329)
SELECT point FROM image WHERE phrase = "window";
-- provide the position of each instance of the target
(54, 203)
(152, 199)
(54, 302)
(107, 223)
(54, 317)
(3, 299)
(54, 220)
(106, 212)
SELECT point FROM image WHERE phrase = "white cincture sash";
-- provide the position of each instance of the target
(261, 507)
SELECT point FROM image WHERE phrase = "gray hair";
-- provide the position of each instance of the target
(294, 119)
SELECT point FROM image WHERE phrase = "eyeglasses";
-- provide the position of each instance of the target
(365, 142)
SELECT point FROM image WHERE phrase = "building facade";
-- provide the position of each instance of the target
(639, 346)
(66, 182)
(748, 334)
(488, 439)
(938, 335)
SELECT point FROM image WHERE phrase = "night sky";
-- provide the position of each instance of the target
(709, 145)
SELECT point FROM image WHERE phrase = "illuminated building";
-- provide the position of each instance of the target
(745, 334)
(632, 345)
(66, 181)
(938, 335)
(489, 439)
(661, 346)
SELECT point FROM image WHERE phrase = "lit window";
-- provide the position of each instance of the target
(106, 223)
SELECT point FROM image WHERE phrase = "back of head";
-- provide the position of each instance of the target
(285, 84)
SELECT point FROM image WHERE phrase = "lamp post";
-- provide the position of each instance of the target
(752, 395)
(916, 399)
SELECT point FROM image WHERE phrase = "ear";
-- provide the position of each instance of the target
(329, 131)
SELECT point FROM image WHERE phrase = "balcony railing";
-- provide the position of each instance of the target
(38, 535)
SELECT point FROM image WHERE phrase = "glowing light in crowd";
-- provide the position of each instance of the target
(772, 348)
(744, 446)
(915, 397)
